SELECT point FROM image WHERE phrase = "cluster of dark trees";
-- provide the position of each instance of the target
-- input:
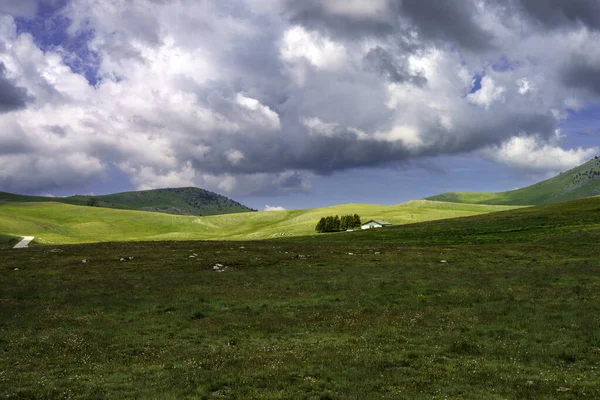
(336, 224)
(589, 175)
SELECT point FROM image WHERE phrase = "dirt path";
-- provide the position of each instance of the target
(24, 243)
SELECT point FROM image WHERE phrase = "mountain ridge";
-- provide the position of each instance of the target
(180, 201)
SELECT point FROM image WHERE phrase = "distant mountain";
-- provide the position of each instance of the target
(577, 183)
(184, 201)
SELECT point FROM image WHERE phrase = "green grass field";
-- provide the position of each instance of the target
(577, 183)
(63, 223)
(8, 241)
(512, 313)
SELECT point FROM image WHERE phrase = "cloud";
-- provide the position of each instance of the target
(21, 8)
(437, 21)
(442, 20)
(12, 97)
(302, 51)
(46, 172)
(488, 93)
(530, 155)
(395, 68)
(558, 13)
(274, 208)
(260, 97)
(584, 74)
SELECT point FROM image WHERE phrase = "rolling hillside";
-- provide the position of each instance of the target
(183, 201)
(63, 223)
(579, 182)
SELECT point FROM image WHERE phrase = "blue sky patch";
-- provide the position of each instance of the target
(49, 30)
(477, 82)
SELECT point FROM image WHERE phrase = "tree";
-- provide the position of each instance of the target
(330, 224)
(321, 225)
(349, 222)
(335, 223)
(345, 223)
(356, 222)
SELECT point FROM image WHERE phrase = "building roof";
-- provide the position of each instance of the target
(377, 221)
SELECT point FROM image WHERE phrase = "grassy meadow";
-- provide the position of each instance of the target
(8, 241)
(497, 306)
(54, 223)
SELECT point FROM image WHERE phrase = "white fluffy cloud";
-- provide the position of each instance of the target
(489, 93)
(274, 208)
(301, 50)
(528, 154)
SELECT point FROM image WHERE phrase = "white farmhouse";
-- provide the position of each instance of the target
(375, 223)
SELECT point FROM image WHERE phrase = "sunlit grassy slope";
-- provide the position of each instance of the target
(579, 182)
(63, 223)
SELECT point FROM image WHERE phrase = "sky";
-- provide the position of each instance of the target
(296, 104)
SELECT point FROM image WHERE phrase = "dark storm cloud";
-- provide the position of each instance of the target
(344, 148)
(319, 154)
(435, 20)
(557, 13)
(260, 53)
(582, 74)
(313, 15)
(493, 130)
(447, 20)
(12, 97)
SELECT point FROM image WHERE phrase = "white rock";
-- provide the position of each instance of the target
(83, 261)
(443, 261)
(122, 259)
(216, 268)
(16, 269)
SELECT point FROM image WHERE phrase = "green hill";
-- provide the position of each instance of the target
(184, 201)
(63, 223)
(579, 182)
